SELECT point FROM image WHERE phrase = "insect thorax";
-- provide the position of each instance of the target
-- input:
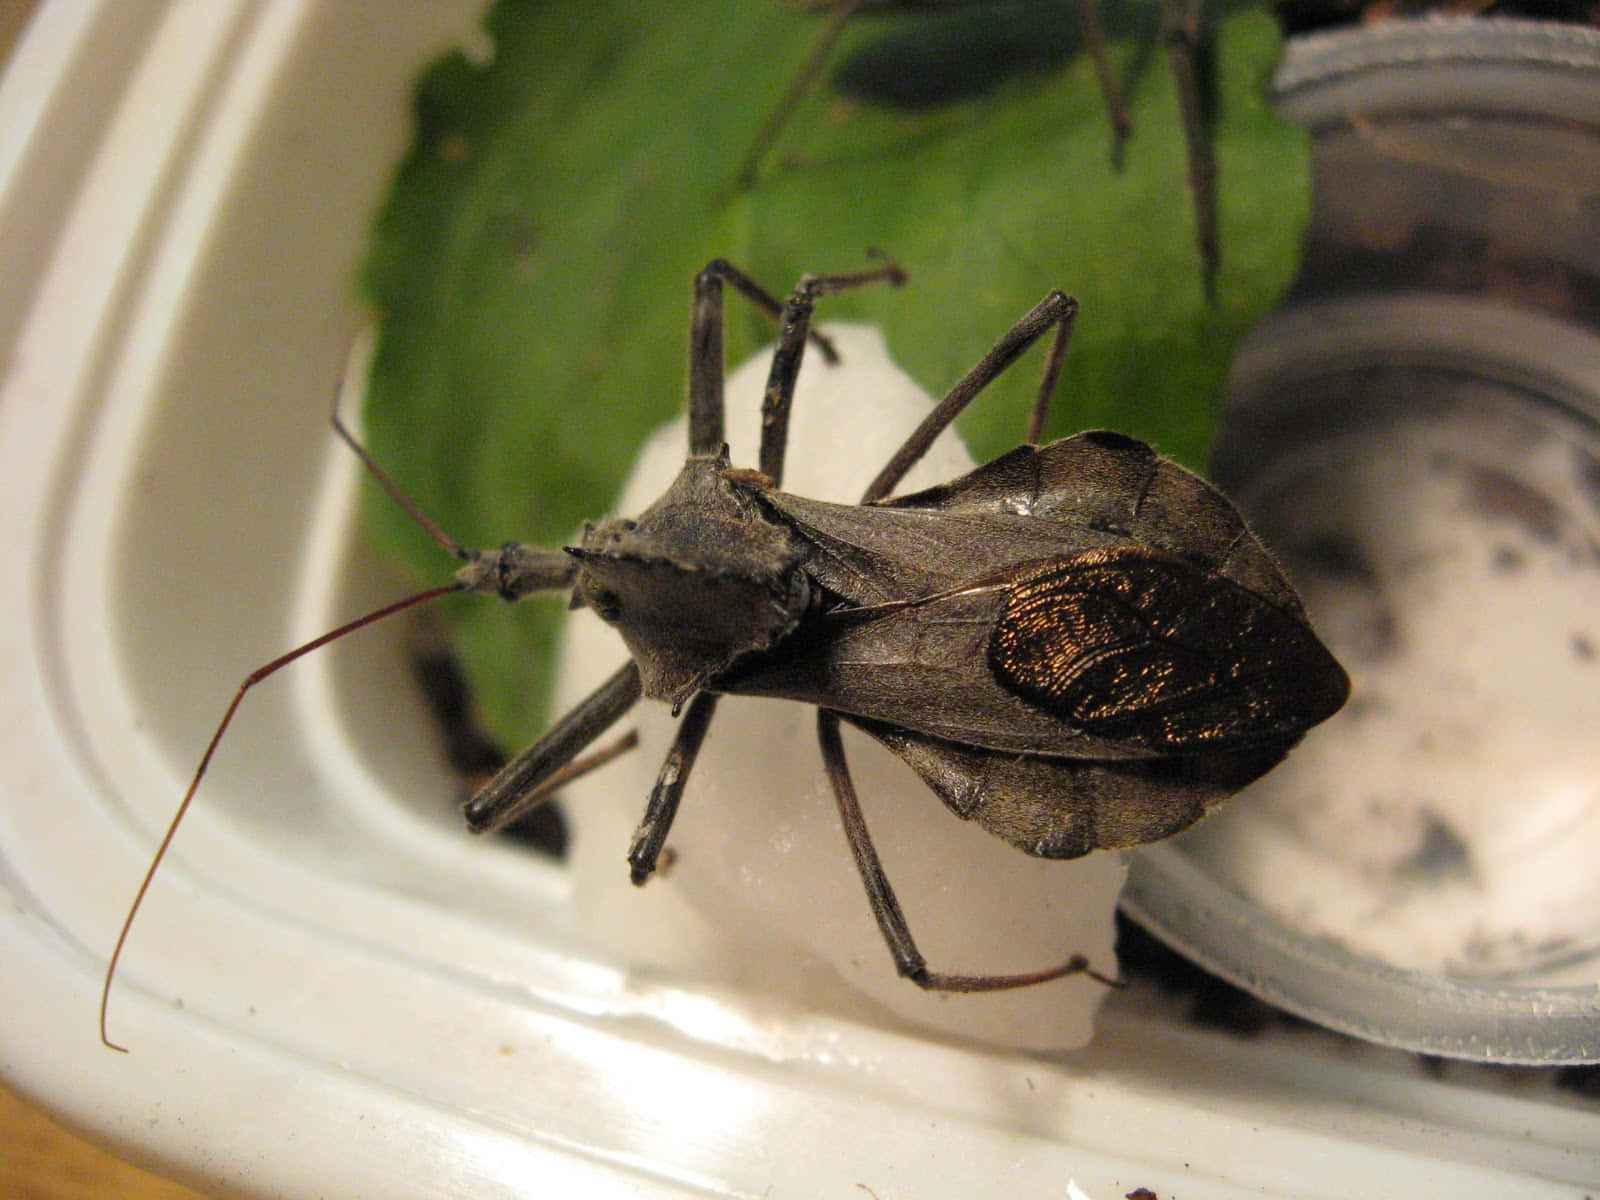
(700, 579)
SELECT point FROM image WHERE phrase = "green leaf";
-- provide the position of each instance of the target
(533, 264)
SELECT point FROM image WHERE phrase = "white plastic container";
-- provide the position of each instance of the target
(1415, 433)
(334, 991)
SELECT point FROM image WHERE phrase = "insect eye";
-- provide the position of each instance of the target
(607, 605)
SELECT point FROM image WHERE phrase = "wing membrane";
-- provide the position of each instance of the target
(1134, 645)
(1063, 807)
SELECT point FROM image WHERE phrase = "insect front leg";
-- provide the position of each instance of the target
(706, 366)
(1056, 310)
(706, 408)
(644, 851)
(794, 328)
(520, 785)
(908, 960)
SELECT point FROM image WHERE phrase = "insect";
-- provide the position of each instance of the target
(1077, 645)
(1181, 32)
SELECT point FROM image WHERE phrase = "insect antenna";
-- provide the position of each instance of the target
(250, 681)
(452, 547)
(512, 571)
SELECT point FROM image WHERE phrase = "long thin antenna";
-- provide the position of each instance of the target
(451, 546)
(251, 680)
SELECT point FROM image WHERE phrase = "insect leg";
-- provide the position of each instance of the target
(577, 769)
(1094, 40)
(662, 808)
(1186, 50)
(706, 413)
(705, 348)
(794, 326)
(1058, 310)
(518, 787)
(908, 959)
(799, 87)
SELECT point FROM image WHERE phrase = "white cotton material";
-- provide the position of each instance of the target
(761, 890)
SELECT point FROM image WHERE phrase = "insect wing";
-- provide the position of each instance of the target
(869, 555)
(1066, 807)
(1098, 487)
(1077, 494)
(1134, 645)
(921, 665)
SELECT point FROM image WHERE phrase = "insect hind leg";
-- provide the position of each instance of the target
(908, 960)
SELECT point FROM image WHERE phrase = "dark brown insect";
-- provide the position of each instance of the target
(1077, 645)
(1182, 33)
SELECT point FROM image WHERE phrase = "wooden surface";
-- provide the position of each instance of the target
(39, 1160)
(14, 16)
